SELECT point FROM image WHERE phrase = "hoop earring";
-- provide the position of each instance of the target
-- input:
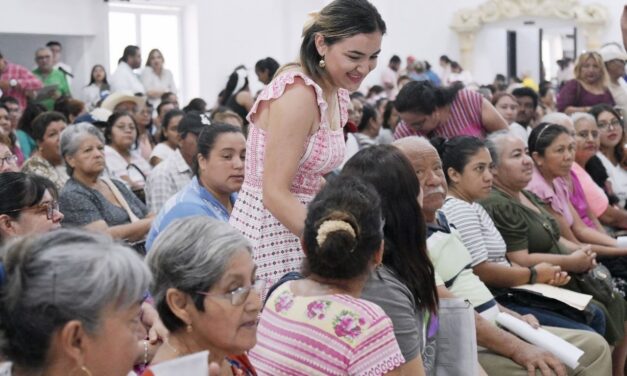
(322, 64)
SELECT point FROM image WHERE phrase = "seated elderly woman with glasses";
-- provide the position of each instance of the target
(28, 205)
(206, 292)
(8, 160)
(69, 305)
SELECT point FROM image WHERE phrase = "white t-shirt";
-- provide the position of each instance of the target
(118, 167)
(125, 80)
(617, 177)
(161, 151)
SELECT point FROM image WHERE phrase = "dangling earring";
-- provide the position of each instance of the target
(86, 370)
(189, 328)
(322, 64)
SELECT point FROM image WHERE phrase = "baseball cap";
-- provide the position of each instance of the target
(193, 122)
(611, 52)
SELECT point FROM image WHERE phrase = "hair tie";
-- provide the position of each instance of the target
(333, 225)
(542, 131)
(241, 79)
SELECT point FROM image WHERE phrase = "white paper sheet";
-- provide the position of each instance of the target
(196, 364)
(564, 351)
(572, 298)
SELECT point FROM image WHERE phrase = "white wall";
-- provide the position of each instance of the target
(219, 35)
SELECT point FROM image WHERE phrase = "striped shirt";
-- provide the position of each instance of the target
(323, 335)
(477, 230)
(464, 119)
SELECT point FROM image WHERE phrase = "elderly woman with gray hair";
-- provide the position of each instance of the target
(69, 305)
(206, 292)
(91, 200)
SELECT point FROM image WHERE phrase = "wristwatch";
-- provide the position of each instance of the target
(533, 276)
(13, 82)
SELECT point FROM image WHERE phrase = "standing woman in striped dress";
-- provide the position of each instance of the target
(295, 135)
(426, 110)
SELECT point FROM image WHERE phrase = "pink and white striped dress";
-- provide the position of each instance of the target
(276, 250)
(323, 335)
(465, 119)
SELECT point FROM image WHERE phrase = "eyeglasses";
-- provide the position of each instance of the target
(587, 134)
(239, 296)
(10, 159)
(615, 123)
(49, 207)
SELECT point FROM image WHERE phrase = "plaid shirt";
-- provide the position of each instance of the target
(26, 81)
(166, 179)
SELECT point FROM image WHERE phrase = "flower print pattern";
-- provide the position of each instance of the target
(317, 309)
(348, 325)
(283, 302)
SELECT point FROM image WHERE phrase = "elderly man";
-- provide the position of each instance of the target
(16, 81)
(502, 352)
(49, 75)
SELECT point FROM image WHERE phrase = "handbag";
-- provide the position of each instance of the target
(596, 282)
(456, 339)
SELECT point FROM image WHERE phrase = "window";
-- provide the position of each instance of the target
(148, 27)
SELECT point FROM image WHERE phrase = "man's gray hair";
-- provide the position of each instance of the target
(61, 276)
(578, 116)
(191, 255)
(73, 136)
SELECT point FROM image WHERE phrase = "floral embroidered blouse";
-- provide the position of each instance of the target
(323, 335)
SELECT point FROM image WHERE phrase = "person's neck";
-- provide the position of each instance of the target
(222, 197)
(352, 287)
(608, 152)
(183, 343)
(459, 194)
(157, 70)
(171, 144)
(370, 133)
(45, 73)
(444, 114)
(596, 85)
(125, 152)
(513, 192)
(547, 176)
(87, 180)
(429, 216)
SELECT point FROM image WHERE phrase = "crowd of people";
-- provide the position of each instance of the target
(310, 228)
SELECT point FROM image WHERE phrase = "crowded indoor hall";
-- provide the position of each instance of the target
(320, 187)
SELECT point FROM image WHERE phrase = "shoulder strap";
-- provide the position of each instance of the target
(118, 196)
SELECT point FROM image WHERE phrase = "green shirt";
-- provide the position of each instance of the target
(56, 77)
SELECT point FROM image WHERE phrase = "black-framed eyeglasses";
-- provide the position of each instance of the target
(614, 123)
(240, 295)
(10, 159)
(49, 207)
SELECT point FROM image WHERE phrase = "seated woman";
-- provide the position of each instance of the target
(404, 284)
(28, 205)
(92, 201)
(552, 149)
(206, 293)
(608, 168)
(169, 137)
(466, 162)
(46, 160)
(218, 176)
(8, 160)
(588, 88)
(433, 111)
(70, 304)
(123, 162)
(532, 235)
(388, 125)
(343, 243)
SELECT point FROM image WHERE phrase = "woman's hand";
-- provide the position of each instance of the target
(583, 259)
(157, 332)
(551, 274)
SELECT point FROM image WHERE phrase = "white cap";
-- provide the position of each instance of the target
(611, 52)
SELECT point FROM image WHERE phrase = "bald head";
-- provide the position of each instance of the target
(426, 162)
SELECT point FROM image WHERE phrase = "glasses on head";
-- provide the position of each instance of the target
(10, 159)
(615, 123)
(240, 295)
(47, 207)
(587, 134)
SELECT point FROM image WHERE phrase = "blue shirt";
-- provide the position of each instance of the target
(192, 200)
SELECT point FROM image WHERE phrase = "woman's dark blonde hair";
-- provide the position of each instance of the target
(338, 20)
(597, 59)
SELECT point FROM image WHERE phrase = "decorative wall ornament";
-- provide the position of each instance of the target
(590, 19)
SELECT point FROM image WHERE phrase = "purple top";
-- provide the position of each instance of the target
(574, 94)
(555, 195)
(578, 200)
